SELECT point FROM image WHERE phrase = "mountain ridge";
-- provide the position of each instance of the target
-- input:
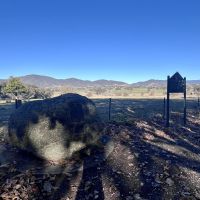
(43, 81)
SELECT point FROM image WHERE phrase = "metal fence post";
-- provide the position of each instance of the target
(164, 107)
(185, 106)
(18, 103)
(109, 111)
(168, 95)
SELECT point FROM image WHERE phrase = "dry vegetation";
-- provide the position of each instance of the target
(123, 91)
(143, 159)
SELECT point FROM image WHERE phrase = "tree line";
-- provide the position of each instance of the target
(14, 88)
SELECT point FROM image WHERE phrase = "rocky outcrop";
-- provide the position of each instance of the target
(56, 128)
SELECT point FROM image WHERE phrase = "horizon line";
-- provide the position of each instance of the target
(144, 80)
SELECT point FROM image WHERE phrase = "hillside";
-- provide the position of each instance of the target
(150, 83)
(50, 82)
(46, 81)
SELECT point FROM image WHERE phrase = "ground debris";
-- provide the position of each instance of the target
(147, 162)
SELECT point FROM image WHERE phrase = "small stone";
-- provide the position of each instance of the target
(170, 182)
(137, 197)
(186, 193)
(136, 155)
(87, 185)
(52, 178)
(197, 194)
(129, 198)
(47, 187)
(166, 173)
(158, 181)
(18, 186)
(130, 157)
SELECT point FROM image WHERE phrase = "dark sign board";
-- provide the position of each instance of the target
(176, 84)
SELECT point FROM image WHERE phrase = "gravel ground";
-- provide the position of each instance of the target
(141, 160)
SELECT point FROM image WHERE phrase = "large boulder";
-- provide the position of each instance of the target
(55, 128)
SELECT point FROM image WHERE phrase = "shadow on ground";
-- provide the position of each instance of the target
(148, 161)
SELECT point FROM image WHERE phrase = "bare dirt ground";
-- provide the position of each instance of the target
(142, 159)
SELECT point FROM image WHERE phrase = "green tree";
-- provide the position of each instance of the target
(1, 89)
(15, 87)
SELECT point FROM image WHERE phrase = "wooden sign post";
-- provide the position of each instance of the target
(176, 84)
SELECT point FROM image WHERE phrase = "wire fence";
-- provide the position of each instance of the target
(121, 110)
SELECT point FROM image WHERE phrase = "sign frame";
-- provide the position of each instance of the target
(176, 84)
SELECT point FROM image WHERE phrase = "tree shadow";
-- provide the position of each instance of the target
(148, 151)
(91, 183)
(150, 189)
(83, 179)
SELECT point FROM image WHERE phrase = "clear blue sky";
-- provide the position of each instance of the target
(128, 40)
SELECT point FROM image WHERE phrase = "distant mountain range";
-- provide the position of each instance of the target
(49, 82)
(46, 81)
(151, 83)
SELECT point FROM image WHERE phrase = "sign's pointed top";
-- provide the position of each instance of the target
(176, 84)
(177, 76)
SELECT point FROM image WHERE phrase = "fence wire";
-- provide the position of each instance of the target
(127, 109)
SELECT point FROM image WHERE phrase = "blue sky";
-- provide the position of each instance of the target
(127, 40)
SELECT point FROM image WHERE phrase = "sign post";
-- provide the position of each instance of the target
(176, 84)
